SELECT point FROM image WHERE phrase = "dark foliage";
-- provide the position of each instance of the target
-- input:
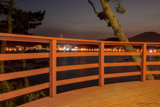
(100, 15)
(22, 21)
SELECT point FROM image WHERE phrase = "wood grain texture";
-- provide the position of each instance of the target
(76, 67)
(20, 92)
(121, 74)
(20, 74)
(76, 80)
(19, 56)
(121, 64)
(76, 54)
(128, 94)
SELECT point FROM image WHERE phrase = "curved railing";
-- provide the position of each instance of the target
(53, 68)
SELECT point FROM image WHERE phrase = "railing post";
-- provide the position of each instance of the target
(143, 72)
(52, 74)
(101, 64)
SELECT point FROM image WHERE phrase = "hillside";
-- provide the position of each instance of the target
(146, 37)
(143, 37)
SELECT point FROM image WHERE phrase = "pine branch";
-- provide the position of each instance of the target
(91, 3)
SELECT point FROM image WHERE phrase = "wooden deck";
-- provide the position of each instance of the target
(141, 94)
(129, 94)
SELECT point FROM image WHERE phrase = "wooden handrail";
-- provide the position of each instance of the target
(29, 37)
(53, 68)
(21, 74)
(121, 74)
(76, 80)
(153, 72)
(122, 53)
(76, 54)
(20, 92)
(74, 67)
(153, 63)
(153, 54)
(121, 64)
(20, 56)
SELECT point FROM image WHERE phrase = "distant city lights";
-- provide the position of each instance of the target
(150, 51)
(70, 48)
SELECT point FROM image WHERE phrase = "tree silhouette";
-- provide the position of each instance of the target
(110, 18)
(22, 21)
(13, 20)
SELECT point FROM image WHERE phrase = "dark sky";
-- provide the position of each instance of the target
(76, 19)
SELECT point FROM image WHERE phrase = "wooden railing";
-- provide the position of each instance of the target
(53, 68)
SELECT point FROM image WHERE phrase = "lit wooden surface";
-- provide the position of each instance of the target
(113, 64)
(111, 95)
(20, 74)
(18, 56)
(23, 91)
(76, 54)
(101, 65)
(129, 94)
(73, 67)
(113, 75)
(121, 53)
(75, 80)
(144, 60)
(52, 74)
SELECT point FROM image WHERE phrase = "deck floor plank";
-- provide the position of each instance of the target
(128, 94)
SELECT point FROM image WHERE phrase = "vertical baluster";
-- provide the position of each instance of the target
(52, 65)
(101, 64)
(143, 72)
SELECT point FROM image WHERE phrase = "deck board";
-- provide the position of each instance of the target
(128, 94)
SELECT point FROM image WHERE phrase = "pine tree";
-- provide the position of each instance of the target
(15, 20)
(110, 18)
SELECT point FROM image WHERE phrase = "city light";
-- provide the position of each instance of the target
(150, 51)
(70, 48)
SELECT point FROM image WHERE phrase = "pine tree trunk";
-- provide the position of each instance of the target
(6, 87)
(9, 18)
(26, 81)
(118, 31)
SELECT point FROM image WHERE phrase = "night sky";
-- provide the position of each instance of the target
(76, 19)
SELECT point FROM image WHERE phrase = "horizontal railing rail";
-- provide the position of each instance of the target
(23, 56)
(21, 74)
(53, 68)
(24, 38)
(18, 56)
(122, 74)
(75, 80)
(76, 54)
(24, 91)
(122, 53)
(74, 67)
(122, 64)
